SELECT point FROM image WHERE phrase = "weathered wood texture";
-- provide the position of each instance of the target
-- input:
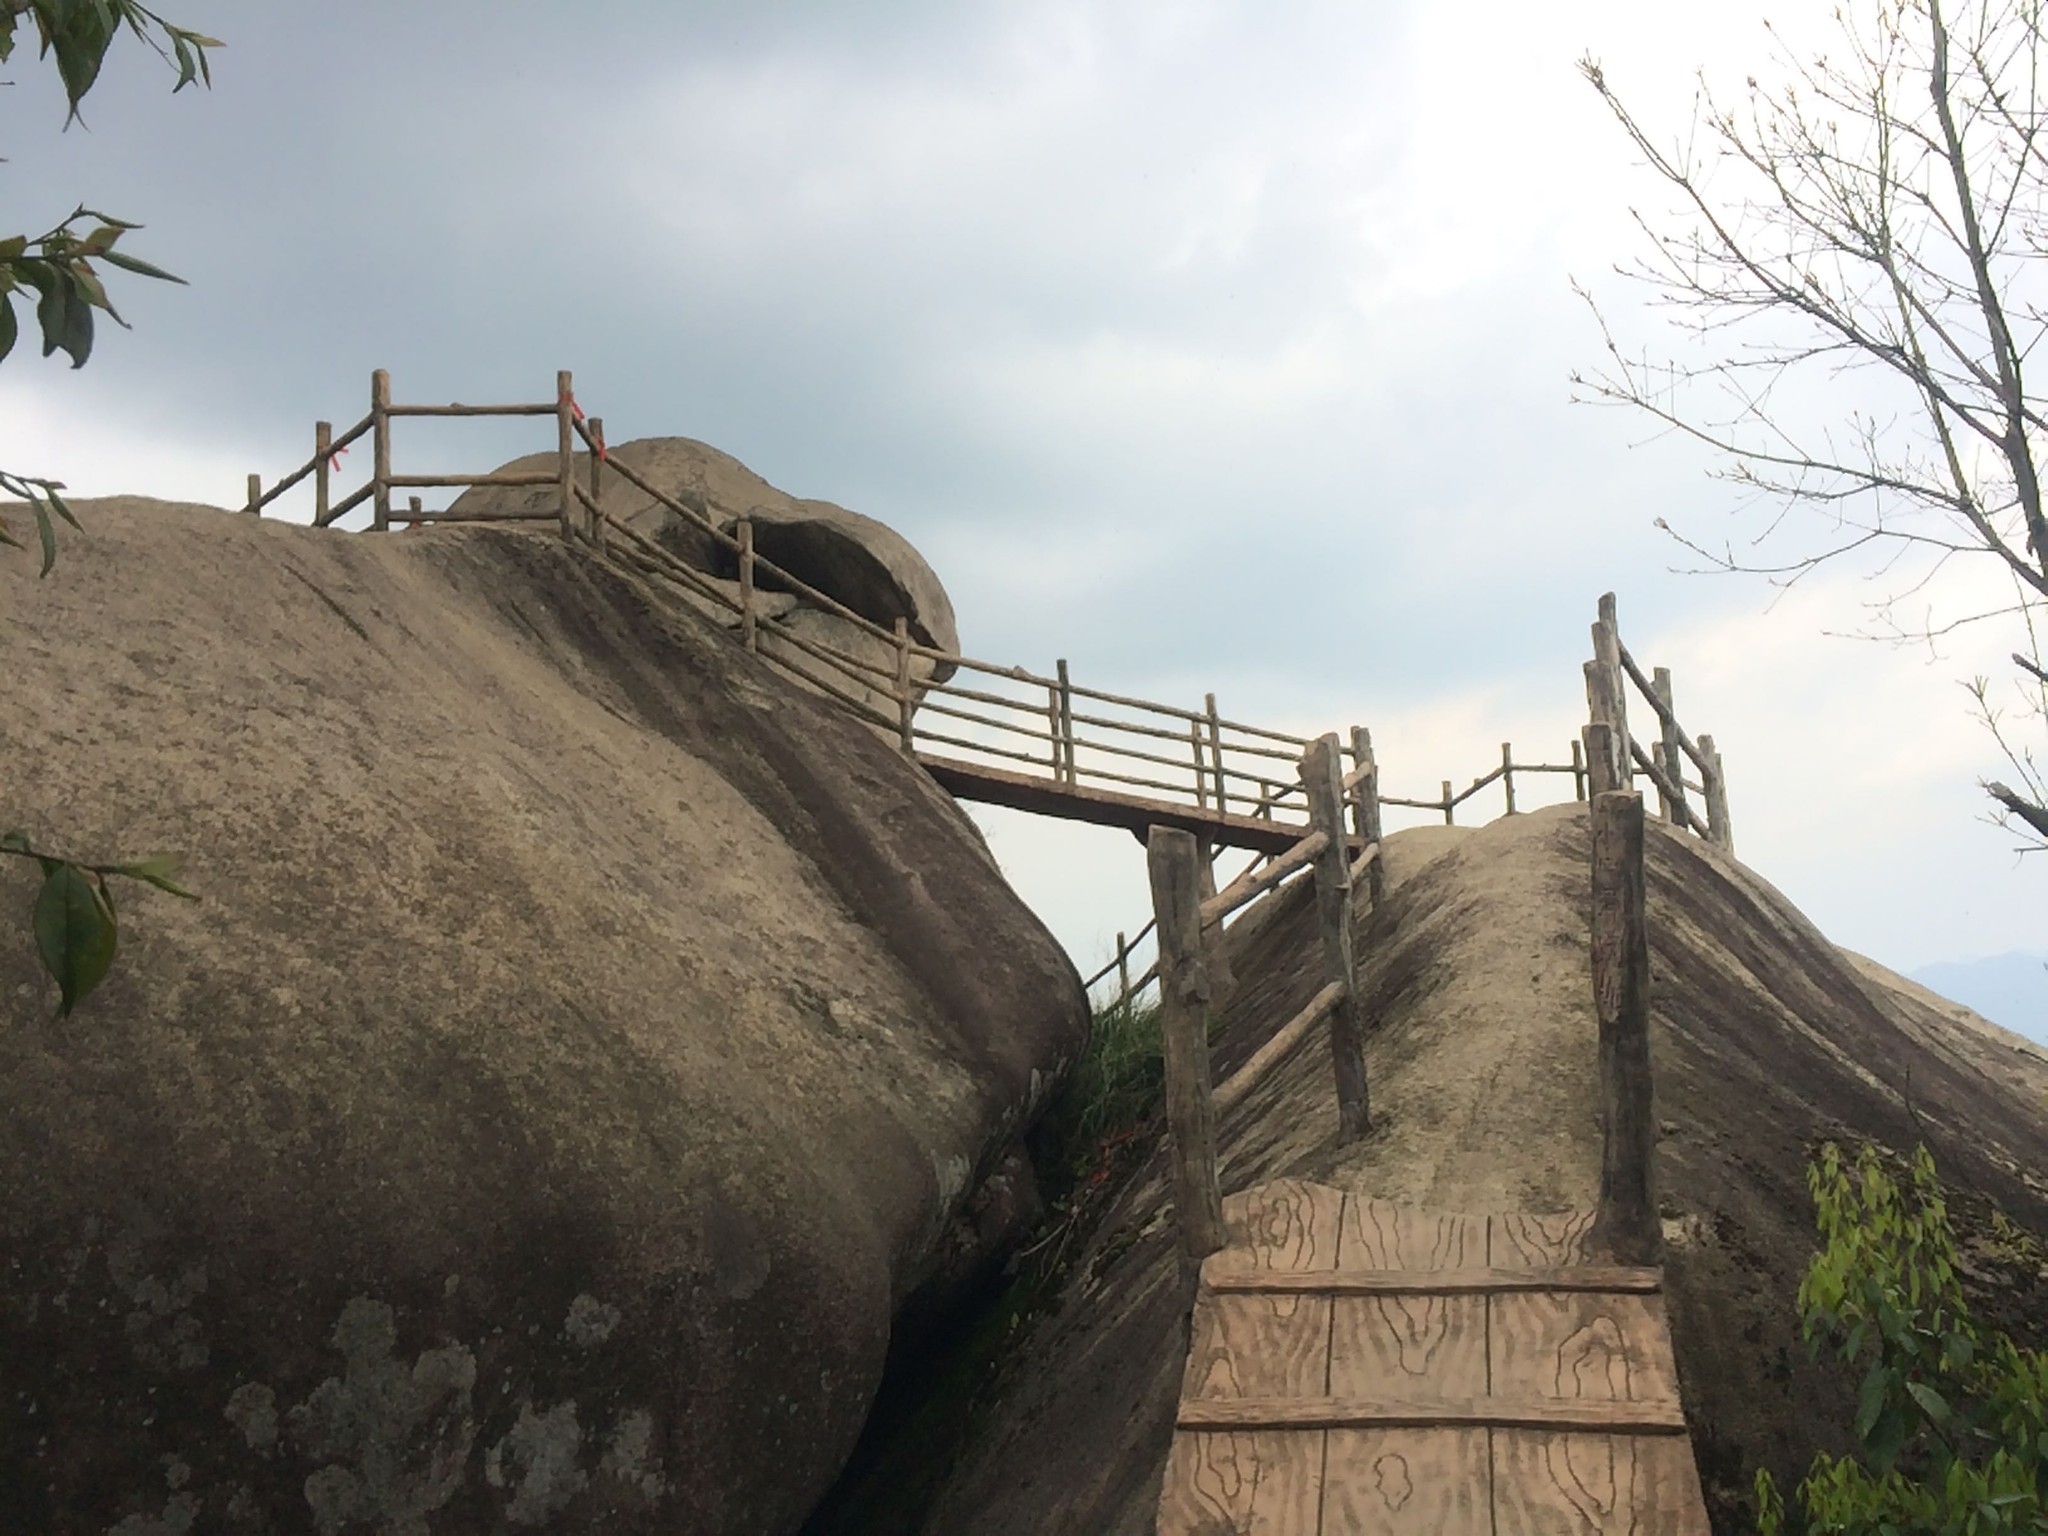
(1365, 808)
(1171, 859)
(1357, 1408)
(1322, 777)
(1627, 1226)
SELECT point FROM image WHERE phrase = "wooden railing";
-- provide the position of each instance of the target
(1185, 922)
(1663, 763)
(996, 717)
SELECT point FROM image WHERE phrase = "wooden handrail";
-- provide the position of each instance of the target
(1253, 884)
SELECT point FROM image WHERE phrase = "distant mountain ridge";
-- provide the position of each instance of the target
(2011, 989)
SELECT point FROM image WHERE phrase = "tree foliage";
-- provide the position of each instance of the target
(1952, 1419)
(1855, 265)
(74, 920)
(57, 267)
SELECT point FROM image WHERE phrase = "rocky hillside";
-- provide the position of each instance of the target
(1767, 1039)
(586, 1042)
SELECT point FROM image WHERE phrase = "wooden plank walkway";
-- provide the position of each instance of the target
(1048, 796)
(1358, 1368)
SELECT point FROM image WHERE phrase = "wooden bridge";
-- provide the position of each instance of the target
(996, 734)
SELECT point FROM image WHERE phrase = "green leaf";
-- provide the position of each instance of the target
(129, 263)
(1931, 1402)
(1870, 1401)
(46, 535)
(158, 871)
(10, 327)
(75, 933)
(80, 41)
(105, 218)
(51, 308)
(50, 489)
(12, 247)
(77, 326)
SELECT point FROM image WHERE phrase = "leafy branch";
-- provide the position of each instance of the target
(76, 927)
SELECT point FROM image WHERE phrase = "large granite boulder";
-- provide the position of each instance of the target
(585, 1042)
(862, 563)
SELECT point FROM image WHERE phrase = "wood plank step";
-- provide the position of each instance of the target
(1593, 1279)
(1575, 1414)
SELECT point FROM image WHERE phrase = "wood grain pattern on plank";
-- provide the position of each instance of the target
(1599, 1485)
(1519, 1241)
(1407, 1482)
(1239, 1484)
(1258, 1346)
(1288, 1224)
(1411, 1347)
(1601, 1347)
(1378, 1234)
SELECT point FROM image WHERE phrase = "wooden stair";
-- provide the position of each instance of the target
(1358, 1368)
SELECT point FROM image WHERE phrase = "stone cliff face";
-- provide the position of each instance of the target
(585, 1042)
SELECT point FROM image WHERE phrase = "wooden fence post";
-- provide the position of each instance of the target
(1674, 749)
(323, 456)
(1123, 971)
(1716, 783)
(412, 507)
(380, 450)
(255, 496)
(1216, 751)
(1578, 770)
(1450, 806)
(906, 702)
(1063, 727)
(597, 534)
(1322, 775)
(1507, 774)
(1603, 705)
(1214, 953)
(747, 635)
(565, 440)
(1626, 1225)
(1365, 810)
(1170, 860)
(1662, 763)
(1607, 653)
(1599, 742)
(1201, 765)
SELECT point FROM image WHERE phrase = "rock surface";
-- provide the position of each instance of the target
(862, 563)
(1765, 1040)
(585, 1041)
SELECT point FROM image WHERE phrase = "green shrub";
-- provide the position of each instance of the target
(1952, 1418)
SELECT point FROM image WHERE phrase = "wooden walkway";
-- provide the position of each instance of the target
(1357, 1367)
(1049, 796)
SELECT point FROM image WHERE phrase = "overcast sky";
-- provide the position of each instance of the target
(1213, 346)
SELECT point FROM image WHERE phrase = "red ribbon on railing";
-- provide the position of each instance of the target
(334, 459)
(577, 411)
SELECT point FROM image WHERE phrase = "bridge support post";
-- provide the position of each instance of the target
(1322, 775)
(1627, 1224)
(1171, 860)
